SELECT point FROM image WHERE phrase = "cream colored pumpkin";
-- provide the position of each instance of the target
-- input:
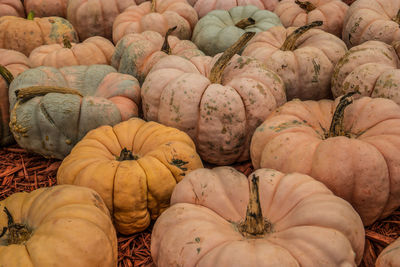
(390, 256)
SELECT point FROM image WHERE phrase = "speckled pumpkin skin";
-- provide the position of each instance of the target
(220, 118)
(370, 68)
(52, 124)
(11, 8)
(390, 256)
(135, 191)
(216, 31)
(25, 35)
(46, 8)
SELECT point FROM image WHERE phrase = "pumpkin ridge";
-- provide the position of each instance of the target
(147, 187)
(41, 31)
(196, 133)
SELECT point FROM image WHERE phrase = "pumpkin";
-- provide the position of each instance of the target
(48, 225)
(370, 68)
(390, 256)
(94, 50)
(301, 12)
(218, 101)
(95, 17)
(134, 166)
(203, 7)
(354, 151)
(136, 53)
(11, 8)
(45, 8)
(52, 109)
(220, 29)
(24, 35)
(303, 57)
(372, 20)
(158, 16)
(290, 220)
(12, 63)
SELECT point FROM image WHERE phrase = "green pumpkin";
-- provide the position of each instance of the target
(219, 29)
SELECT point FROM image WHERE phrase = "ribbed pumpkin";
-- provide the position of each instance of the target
(46, 8)
(52, 109)
(218, 101)
(296, 13)
(11, 8)
(94, 50)
(303, 57)
(370, 68)
(136, 53)
(45, 227)
(24, 35)
(354, 151)
(158, 16)
(291, 220)
(134, 166)
(220, 29)
(390, 256)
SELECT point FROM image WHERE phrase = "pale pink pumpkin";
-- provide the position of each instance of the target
(11, 8)
(46, 8)
(390, 256)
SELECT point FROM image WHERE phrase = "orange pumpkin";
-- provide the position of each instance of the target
(45, 8)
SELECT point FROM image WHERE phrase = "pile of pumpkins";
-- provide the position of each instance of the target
(135, 95)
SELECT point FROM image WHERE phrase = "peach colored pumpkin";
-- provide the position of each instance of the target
(46, 8)
(390, 256)
(357, 155)
(372, 20)
(219, 104)
(158, 16)
(94, 50)
(291, 220)
(11, 8)
(301, 12)
(303, 57)
(136, 53)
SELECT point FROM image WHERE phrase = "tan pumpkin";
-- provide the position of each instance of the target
(158, 16)
(46, 8)
(301, 12)
(218, 101)
(303, 57)
(291, 220)
(134, 166)
(45, 227)
(11, 8)
(354, 151)
(372, 20)
(390, 256)
(94, 50)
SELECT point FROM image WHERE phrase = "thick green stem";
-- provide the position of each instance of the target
(307, 6)
(31, 15)
(127, 155)
(290, 42)
(165, 47)
(397, 18)
(40, 90)
(153, 6)
(17, 233)
(6, 74)
(245, 22)
(66, 43)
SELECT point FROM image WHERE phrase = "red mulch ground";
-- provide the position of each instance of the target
(22, 171)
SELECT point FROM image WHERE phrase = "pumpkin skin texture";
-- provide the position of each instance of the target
(217, 30)
(207, 206)
(45, 8)
(62, 219)
(94, 50)
(371, 20)
(331, 12)
(370, 68)
(138, 189)
(25, 35)
(307, 68)
(15, 62)
(52, 123)
(166, 14)
(11, 8)
(390, 256)
(363, 168)
(136, 53)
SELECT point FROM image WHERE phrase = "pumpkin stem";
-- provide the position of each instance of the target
(31, 15)
(165, 47)
(127, 155)
(153, 6)
(219, 66)
(6, 74)
(245, 22)
(32, 91)
(17, 233)
(66, 42)
(337, 128)
(289, 44)
(307, 6)
(397, 18)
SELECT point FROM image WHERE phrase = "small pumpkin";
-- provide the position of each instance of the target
(220, 29)
(158, 16)
(288, 221)
(52, 109)
(46, 8)
(352, 146)
(390, 256)
(11, 8)
(134, 166)
(94, 50)
(218, 101)
(296, 13)
(48, 225)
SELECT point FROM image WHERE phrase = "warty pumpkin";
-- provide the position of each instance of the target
(52, 109)
(390, 256)
(290, 220)
(134, 166)
(218, 101)
(57, 226)
(11, 8)
(353, 150)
